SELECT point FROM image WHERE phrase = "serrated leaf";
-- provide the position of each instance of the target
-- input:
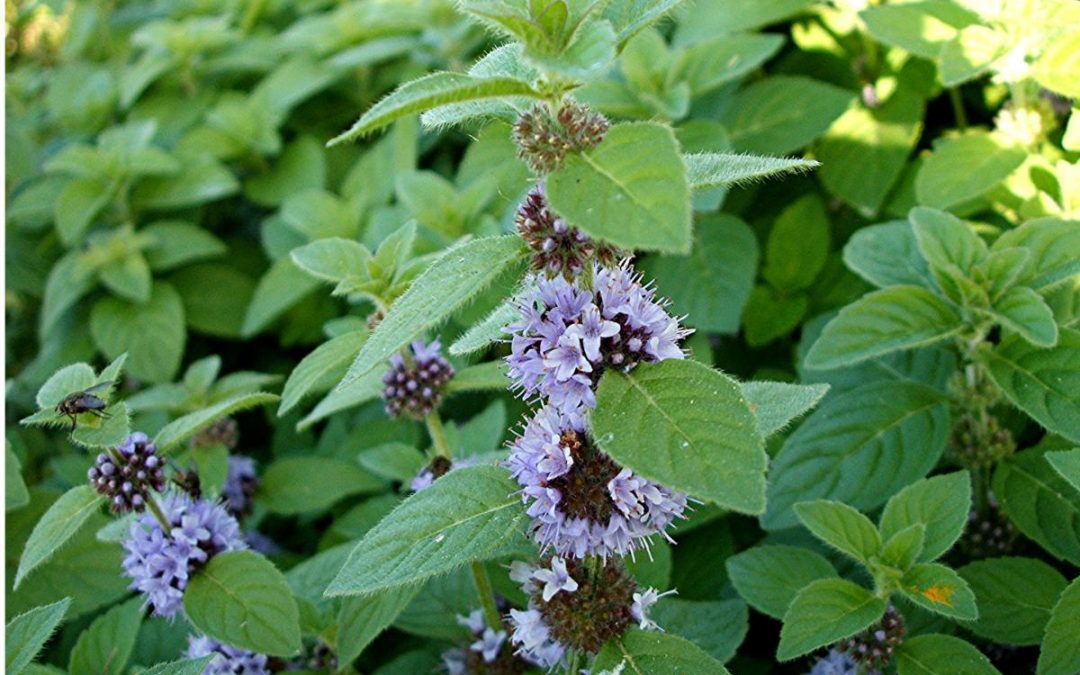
(59, 524)
(1067, 463)
(713, 169)
(464, 516)
(185, 427)
(1040, 503)
(181, 667)
(1044, 383)
(841, 527)
(242, 600)
(964, 168)
(431, 91)
(321, 369)
(1023, 310)
(638, 652)
(111, 431)
(939, 589)
(936, 654)
(777, 404)
(306, 484)
(826, 611)
(459, 274)
(106, 645)
(630, 190)
(1015, 596)
(686, 426)
(152, 334)
(1060, 653)
(27, 633)
(769, 577)
(491, 329)
(1054, 246)
(940, 503)
(944, 240)
(360, 620)
(859, 448)
(891, 319)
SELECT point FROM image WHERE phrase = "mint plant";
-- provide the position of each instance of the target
(624, 336)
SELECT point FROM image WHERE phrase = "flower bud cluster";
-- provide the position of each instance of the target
(415, 388)
(160, 561)
(129, 474)
(873, 648)
(988, 533)
(557, 248)
(574, 607)
(544, 140)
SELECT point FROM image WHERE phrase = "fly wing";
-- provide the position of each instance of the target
(99, 387)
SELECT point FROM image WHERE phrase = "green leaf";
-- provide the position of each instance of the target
(1058, 67)
(152, 334)
(780, 114)
(1023, 310)
(884, 321)
(307, 484)
(129, 278)
(939, 503)
(1044, 383)
(69, 280)
(769, 577)
(1060, 653)
(798, 245)
(712, 284)
(963, 168)
(722, 169)
(638, 652)
(59, 524)
(921, 28)
(491, 329)
(901, 550)
(183, 428)
(841, 527)
(431, 91)
(76, 207)
(629, 18)
(199, 181)
(365, 388)
(939, 589)
(464, 516)
(826, 611)
(630, 190)
(1015, 596)
(27, 633)
(480, 377)
(175, 243)
(282, 287)
(944, 240)
(215, 296)
(360, 620)
(707, 65)
(718, 627)
(393, 461)
(458, 275)
(321, 369)
(241, 599)
(15, 494)
(686, 426)
(770, 314)
(106, 645)
(941, 655)
(1055, 250)
(733, 16)
(1040, 502)
(109, 433)
(864, 152)
(970, 54)
(1066, 462)
(181, 667)
(859, 448)
(777, 404)
(332, 259)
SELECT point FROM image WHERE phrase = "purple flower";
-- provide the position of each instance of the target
(488, 652)
(533, 638)
(566, 336)
(580, 501)
(555, 579)
(415, 389)
(228, 660)
(835, 663)
(643, 602)
(439, 467)
(160, 563)
(240, 485)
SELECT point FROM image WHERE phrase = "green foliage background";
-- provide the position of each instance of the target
(172, 198)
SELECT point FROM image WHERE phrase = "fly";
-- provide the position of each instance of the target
(85, 401)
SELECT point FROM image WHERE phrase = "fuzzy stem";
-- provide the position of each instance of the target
(438, 434)
(487, 595)
(958, 108)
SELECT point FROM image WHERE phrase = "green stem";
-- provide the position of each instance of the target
(487, 595)
(438, 434)
(575, 663)
(958, 108)
(251, 16)
(152, 504)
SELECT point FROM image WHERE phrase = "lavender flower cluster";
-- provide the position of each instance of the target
(488, 652)
(568, 335)
(160, 563)
(580, 501)
(228, 660)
